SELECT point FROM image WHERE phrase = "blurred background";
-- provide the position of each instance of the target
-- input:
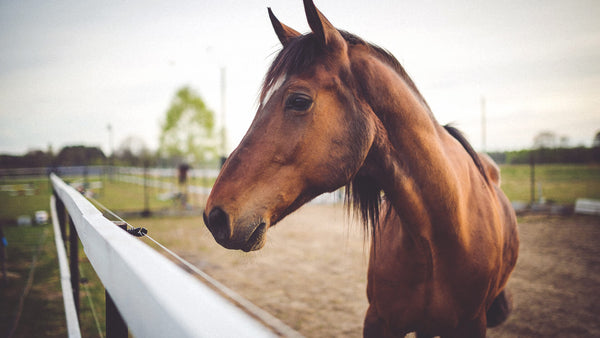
(137, 104)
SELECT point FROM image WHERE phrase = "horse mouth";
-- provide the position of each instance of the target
(257, 239)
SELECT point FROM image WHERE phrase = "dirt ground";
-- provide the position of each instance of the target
(312, 272)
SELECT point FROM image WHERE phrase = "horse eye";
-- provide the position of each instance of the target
(298, 102)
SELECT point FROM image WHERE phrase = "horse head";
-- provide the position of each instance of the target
(311, 134)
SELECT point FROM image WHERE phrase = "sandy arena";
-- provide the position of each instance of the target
(312, 272)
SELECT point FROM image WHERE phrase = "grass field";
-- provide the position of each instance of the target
(42, 312)
(15, 198)
(37, 310)
(559, 183)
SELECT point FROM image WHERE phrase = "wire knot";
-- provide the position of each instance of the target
(138, 232)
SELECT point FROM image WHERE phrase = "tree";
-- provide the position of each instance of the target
(187, 131)
(596, 142)
(545, 139)
(80, 155)
(133, 151)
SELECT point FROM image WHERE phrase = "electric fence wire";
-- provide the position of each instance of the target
(92, 305)
(274, 323)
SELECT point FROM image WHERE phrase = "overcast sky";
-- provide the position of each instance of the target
(68, 69)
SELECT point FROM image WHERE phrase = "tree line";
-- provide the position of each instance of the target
(548, 155)
(68, 156)
(80, 155)
(83, 155)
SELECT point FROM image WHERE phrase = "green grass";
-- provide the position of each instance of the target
(16, 203)
(43, 308)
(42, 314)
(121, 196)
(559, 183)
(117, 196)
(44, 297)
(92, 295)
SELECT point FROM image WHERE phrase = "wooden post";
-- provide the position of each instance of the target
(61, 213)
(3, 264)
(86, 181)
(74, 262)
(115, 324)
(146, 212)
(532, 176)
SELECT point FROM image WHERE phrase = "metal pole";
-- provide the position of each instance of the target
(223, 124)
(483, 126)
(112, 155)
(74, 262)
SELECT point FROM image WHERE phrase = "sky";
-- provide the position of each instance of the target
(69, 69)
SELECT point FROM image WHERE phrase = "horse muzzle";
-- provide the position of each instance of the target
(238, 235)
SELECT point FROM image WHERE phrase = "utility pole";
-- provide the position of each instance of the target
(483, 126)
(223, 129)
(532, 176)
(111, 156)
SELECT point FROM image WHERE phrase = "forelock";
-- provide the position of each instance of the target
(297, 56)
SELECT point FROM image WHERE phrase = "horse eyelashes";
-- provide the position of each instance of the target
(298, 102)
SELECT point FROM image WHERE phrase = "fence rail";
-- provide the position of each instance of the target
(155, 297)
(65, 276)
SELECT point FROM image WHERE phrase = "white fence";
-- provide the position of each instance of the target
(155, 297)
(65, 276)
(167, 172)
(587, 206)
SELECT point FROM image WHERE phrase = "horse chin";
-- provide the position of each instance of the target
(257, 239)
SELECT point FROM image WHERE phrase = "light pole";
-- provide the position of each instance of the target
(110, 157)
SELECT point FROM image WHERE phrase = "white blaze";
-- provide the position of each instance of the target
(274, 88)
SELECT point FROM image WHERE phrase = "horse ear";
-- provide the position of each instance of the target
(320, 26)
(284, 33)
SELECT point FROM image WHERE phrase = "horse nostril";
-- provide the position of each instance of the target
(218, 224)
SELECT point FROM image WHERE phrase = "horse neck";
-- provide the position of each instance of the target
(410, 156)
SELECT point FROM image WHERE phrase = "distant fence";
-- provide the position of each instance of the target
(44, 171)
(167, 172)
(137, 175)
(152, 296)
(98, 170)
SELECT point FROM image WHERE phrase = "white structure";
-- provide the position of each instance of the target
(587, 206)
(65, 276)
(155, 297)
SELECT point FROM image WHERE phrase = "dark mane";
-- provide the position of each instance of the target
(304, 50)
(458, 135)
(388, 58)
(362, 193)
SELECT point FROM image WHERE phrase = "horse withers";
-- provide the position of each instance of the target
(337, 111)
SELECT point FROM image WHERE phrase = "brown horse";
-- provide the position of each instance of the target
(337, 111)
